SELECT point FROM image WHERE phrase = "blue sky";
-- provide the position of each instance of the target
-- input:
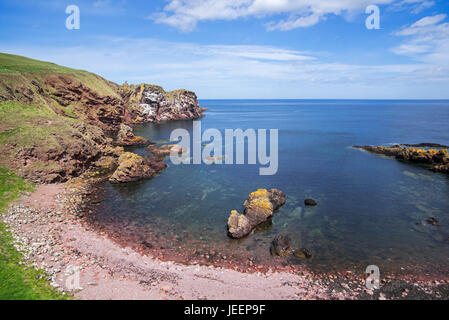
(306, 49)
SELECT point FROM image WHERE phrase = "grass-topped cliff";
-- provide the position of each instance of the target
(55, 121)
(55, 124)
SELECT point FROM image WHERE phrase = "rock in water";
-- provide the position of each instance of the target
(238, 225)
(133, 167)
(437, 159)
(302, 253)
(280, 246)
(126, 137)
(165, 150)
(310, 202)
(433, 221)
(259, 207)
(277, 198)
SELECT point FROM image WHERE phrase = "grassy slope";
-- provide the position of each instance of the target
(15, 68)
(13, 64)
(25, 126)
(16, 281)
(24, 123)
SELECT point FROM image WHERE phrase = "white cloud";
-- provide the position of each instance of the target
(185, 14)
(427, 40)
(236, 71)
(415, 6)
(101, 3)
(423, 25)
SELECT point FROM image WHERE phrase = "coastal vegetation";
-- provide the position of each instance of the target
(58, 123)
(18, 281)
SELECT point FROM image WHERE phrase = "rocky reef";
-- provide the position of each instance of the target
(259, 207)
(438, 160)
(133, 167)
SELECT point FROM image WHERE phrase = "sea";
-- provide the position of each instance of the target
(371, 210)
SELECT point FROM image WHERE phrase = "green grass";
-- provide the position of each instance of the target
(18, 65)
(28, 125)
(18, 282)
(13, 64)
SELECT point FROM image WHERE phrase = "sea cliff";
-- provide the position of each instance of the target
(58, 122)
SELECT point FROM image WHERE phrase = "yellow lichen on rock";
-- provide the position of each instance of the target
(259, 193)
(238, 224)
(263, 203)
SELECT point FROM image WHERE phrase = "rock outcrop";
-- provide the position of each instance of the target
(259, 207)
(126, 137)
(63, 151)
(438, 160)
(133, 167)
(57, 122)
(151, 103)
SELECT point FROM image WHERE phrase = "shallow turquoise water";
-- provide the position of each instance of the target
(370, 208)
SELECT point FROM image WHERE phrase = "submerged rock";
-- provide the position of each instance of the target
(433, 221)
(133, 167)
(310, 202)
(302, 253)
(126, 137)
(437, 159)
(259, 207)
(281, 246)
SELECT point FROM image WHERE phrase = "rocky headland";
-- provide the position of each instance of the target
(59, 122)
(64, 125)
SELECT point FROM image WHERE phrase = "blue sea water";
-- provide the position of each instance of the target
(371, 209)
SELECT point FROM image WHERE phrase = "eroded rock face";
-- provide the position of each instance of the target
(133, 167)
(259, 207)
(151, 103)
(437, 159)
(76, 148)
(126, 137)
(79, 112)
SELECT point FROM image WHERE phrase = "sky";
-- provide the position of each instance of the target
(245, 49)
